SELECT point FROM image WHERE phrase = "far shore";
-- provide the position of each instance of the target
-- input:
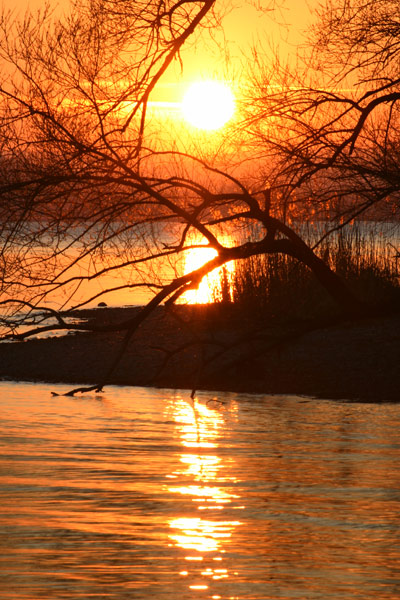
(349, 360)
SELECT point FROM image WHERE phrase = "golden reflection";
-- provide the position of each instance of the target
(198, 587)
(213, 286)
(204, 479)
(200, 534)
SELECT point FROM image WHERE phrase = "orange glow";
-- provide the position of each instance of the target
(200, 534)
(202, 480)
(198, 587)
(208, 105)
(209, 289)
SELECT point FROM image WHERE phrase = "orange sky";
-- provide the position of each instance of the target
(243, 26)
(294, 12)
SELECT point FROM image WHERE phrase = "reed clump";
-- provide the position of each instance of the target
(279, 286)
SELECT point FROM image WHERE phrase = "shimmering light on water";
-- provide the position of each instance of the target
(142, 494)
(209, 289)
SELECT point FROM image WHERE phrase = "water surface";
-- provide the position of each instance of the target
(142, 494)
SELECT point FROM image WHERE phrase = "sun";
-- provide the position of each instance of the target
(208, 104)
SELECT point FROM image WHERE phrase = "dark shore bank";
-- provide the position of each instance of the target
(354, 360)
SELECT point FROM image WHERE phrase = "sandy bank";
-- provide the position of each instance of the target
(348, 360)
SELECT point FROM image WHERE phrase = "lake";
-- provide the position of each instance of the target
(377, 242)
(143, 494)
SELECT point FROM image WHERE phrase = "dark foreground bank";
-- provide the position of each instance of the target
(197, 347)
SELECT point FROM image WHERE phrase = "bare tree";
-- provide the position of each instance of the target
(330, 126)
(87, 193)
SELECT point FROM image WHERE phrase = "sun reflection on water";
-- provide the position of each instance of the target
(201, 534)
(202, 486)
(210, 288)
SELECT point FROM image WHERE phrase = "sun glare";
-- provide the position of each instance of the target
(208, 105)
(208, 289)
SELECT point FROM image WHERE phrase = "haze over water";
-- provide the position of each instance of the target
(140, 493)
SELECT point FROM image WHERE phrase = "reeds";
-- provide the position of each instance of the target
(278, 285)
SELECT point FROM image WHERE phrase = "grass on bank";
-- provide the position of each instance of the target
(279, 286)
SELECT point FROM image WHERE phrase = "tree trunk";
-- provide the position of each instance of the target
(337, 287)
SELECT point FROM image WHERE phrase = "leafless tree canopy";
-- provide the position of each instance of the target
(88, 193)
(331, 124)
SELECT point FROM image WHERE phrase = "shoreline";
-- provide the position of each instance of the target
(348, 360)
